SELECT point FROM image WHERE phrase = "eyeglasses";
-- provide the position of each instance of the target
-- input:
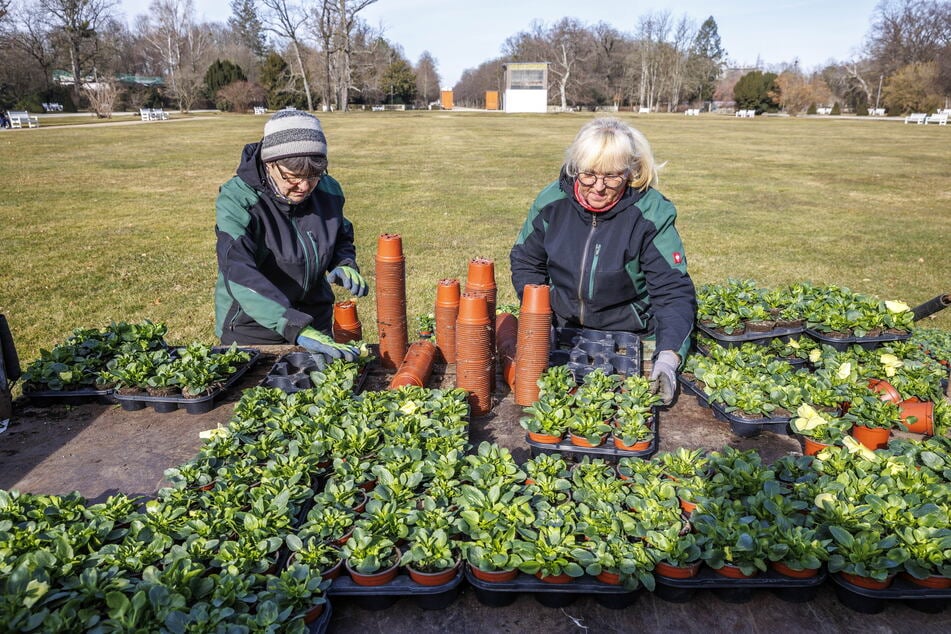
(611, 181)
(297, 180)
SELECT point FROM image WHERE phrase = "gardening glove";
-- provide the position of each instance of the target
(664, 375)
(316, 341)
(350, 279)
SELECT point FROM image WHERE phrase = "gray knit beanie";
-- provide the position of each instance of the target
(292, 133)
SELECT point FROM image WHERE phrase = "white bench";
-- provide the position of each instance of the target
(152, 114)
(876, 112)
(21, 118)
(919, 118)
(746, 114)
(824, 110)
(643, 110)
(940, 119)
(260, 110)
(692, 112)
(53, 107)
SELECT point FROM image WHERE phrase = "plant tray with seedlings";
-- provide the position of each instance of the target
(294, 372)
(743, 426)
(46, 398)
(502, 593)
(584, 350)
(193, 405)
(867, 343)
(606, 451)
(382, 596)
(738, 590)
(869, 601)
(692, 387)
(749, 336)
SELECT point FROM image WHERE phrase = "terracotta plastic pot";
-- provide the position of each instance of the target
(885, 389)
(373, 579)
(481, 274)
(641, 445)
(389, 247)
(417, 365)
(562, 578)
(610, 578)
(812, 447)
(867, 582)
(311, 615)
(581, 441)
(438, 578)
(547, 439)
(506, 342)
(346, 324)
(536, 299)
(446, 312)
(873, 438)
(922, 411)
(670, 571)
(492, 576)
(475, 364)
(532, 349)
(687, 506)
(786, 571)
(935, 582)
(732, 572)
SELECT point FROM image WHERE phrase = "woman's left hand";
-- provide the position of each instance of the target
(350, 279)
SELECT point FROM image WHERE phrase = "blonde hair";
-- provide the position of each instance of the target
(610, 146)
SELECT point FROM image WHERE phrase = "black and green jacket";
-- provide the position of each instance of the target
(273, 257)
(622, 269)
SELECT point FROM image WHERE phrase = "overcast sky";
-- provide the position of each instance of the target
(461, 34)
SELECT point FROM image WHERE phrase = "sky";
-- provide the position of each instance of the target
(462, 34)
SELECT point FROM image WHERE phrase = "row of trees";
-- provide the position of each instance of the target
(320, 54)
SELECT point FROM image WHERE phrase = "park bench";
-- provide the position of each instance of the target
(260, 110)
(940, 118)
(52, 107)
(643, 110)
(746, 114)
(152, 114)
(20, 118)
(692, 112)
(919, 118)
(876, 112)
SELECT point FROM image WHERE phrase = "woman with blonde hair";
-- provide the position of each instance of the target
(603, 238)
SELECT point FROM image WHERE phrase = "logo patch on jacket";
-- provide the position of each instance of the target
(678, 258)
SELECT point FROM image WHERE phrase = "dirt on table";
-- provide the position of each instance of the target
(99, 449)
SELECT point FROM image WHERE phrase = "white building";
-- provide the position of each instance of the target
(526, 87)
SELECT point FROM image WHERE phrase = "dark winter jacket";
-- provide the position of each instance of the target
(622, 269)
(273, 257)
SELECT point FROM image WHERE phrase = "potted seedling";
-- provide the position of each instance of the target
(370, 559)
(548, 418)
(432, 558)
(868, 558)
(818, 429)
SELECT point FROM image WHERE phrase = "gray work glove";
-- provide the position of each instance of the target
(350, 279)
(664, 375)
(316, 341)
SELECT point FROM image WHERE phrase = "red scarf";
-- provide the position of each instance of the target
(583, 203)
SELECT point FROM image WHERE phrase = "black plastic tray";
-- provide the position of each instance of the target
(584, 350)
(738, 590)
(322, 622)
(759, 338)
(551, 594)
(795, 362)
(844, 343)
(45, 398)
(606, 451)
(291, 372)
(691, 387)
(874, 601)
(383, 596)
(750, 427)
(200, 405)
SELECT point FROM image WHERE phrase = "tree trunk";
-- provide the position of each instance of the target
(303, 74)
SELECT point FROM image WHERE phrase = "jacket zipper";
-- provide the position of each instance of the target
(309, 266)
(584, 259)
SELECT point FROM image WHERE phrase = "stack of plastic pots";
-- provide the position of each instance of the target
(446, 312)
(346, 324)
(417, 365)
(474, 360)
(506, 339)
(533, 343)
(391, 300)
(480, 280)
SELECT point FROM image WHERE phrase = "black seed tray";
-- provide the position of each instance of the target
(383, 596)
(738, 590)
(691, 387)
(759, 338)
(844, 343)
(874, 601)
(795, 362)
(584, 350)
(553, 595)
(750, 427)
(45, 398)
(291, 372)
(322, 622)
(200, 405)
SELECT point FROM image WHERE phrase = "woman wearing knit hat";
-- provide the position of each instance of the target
(282, 240)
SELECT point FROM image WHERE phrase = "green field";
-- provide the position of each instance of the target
(116, 222)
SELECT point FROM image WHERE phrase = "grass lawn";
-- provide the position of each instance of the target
(106, 223)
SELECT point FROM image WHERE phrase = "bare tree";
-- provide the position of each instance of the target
(102, 94)
(182, 45)
(427, 79)
(78, 21)
(653, 31)
(677, 54)
(346, 20)
(287, 20)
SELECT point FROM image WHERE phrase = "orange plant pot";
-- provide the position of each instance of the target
(786, 571)
(885, 390)
(670, 571)
(867, 582)
(417, 365)
(545, 439)
(375, 579)
(581, 441)
(610, 578)
(934, 582)
(732, 572)
(873, 438)
(433, 578)
(811, 447)
(922, 411)
(536, 299)
(389, 247)
(493, 576)
(346, 324)
(481, 274)
(642, 445)
(562, 578)
(473, 311)
(447, 292)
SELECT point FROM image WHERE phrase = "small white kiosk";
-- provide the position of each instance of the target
(526, 87)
